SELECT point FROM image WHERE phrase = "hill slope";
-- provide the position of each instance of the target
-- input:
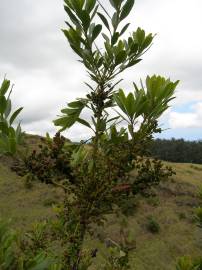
(172, 208)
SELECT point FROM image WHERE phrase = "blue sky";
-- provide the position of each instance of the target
(36, 57)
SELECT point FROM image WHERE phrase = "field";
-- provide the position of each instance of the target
(172, 208)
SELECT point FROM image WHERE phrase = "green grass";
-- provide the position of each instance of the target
(173, 209)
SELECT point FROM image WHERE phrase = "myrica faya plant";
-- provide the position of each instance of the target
(100, 179)
(97, 178)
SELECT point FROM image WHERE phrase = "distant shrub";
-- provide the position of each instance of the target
(12, 256)
(49, 202)
(152, 225)
(153, 200)
(128, 207)
(198, 263)
(197, 168)
(198, 216)
(50, 163)
(200, 192)
(182, 215)
(186, 263)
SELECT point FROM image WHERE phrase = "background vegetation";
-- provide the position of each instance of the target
(173, 208)
(177, 150)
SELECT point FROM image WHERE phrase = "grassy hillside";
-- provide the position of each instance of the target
(172, 208)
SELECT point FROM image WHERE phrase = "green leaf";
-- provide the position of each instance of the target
(76, 104)
(96, 31)
(14, 115)
(12, 132)
(115, 20)
(124, 29)
(140, 35)
(127, 9)
(65, 122)
(4, 87)
(69, 111)
(147, 41)
(3, 104)
(8, 108)
(120, 100)
(72, 17)
(18, 134)
(90, 4)
(104, 20)
(4, 127)
(112, 119)
(94, 12)
(109, 50)
(130, 105)
(106, 38)
(120, 57)
(81, 3)
(133, 62)
(115, 38)
(83, 122)
(77, 6)
(112, 3)
(115, 3)
(68, 3)
(134, 48)
(85, 18)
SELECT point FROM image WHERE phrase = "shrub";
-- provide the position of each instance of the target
(198, 216)
(152, 225)
(50, 163)
(200, 192)
(12, 257)
(186, 263)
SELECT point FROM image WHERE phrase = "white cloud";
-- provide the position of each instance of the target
(187, 120)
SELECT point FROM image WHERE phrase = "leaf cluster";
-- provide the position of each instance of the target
(187, 263)
(10, 137)
(12, 257)
(149, 173)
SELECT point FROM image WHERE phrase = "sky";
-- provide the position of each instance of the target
(46, 75)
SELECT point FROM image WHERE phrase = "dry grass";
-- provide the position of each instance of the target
(173, 209)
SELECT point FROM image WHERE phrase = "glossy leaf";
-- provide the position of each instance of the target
(121, 57)
(83, 122)
(115, 19)
(127, 9)
(104, 20)
(85, 18)
(115, 38)
(90, 4)
(124, 29)
(96, 31)
(112, 3)
(72, 17)
(8, 108)
(4, 87)
(3, 104)
(14, 115)
(4, 127)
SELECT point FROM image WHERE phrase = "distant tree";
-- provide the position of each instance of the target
(177, 150)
